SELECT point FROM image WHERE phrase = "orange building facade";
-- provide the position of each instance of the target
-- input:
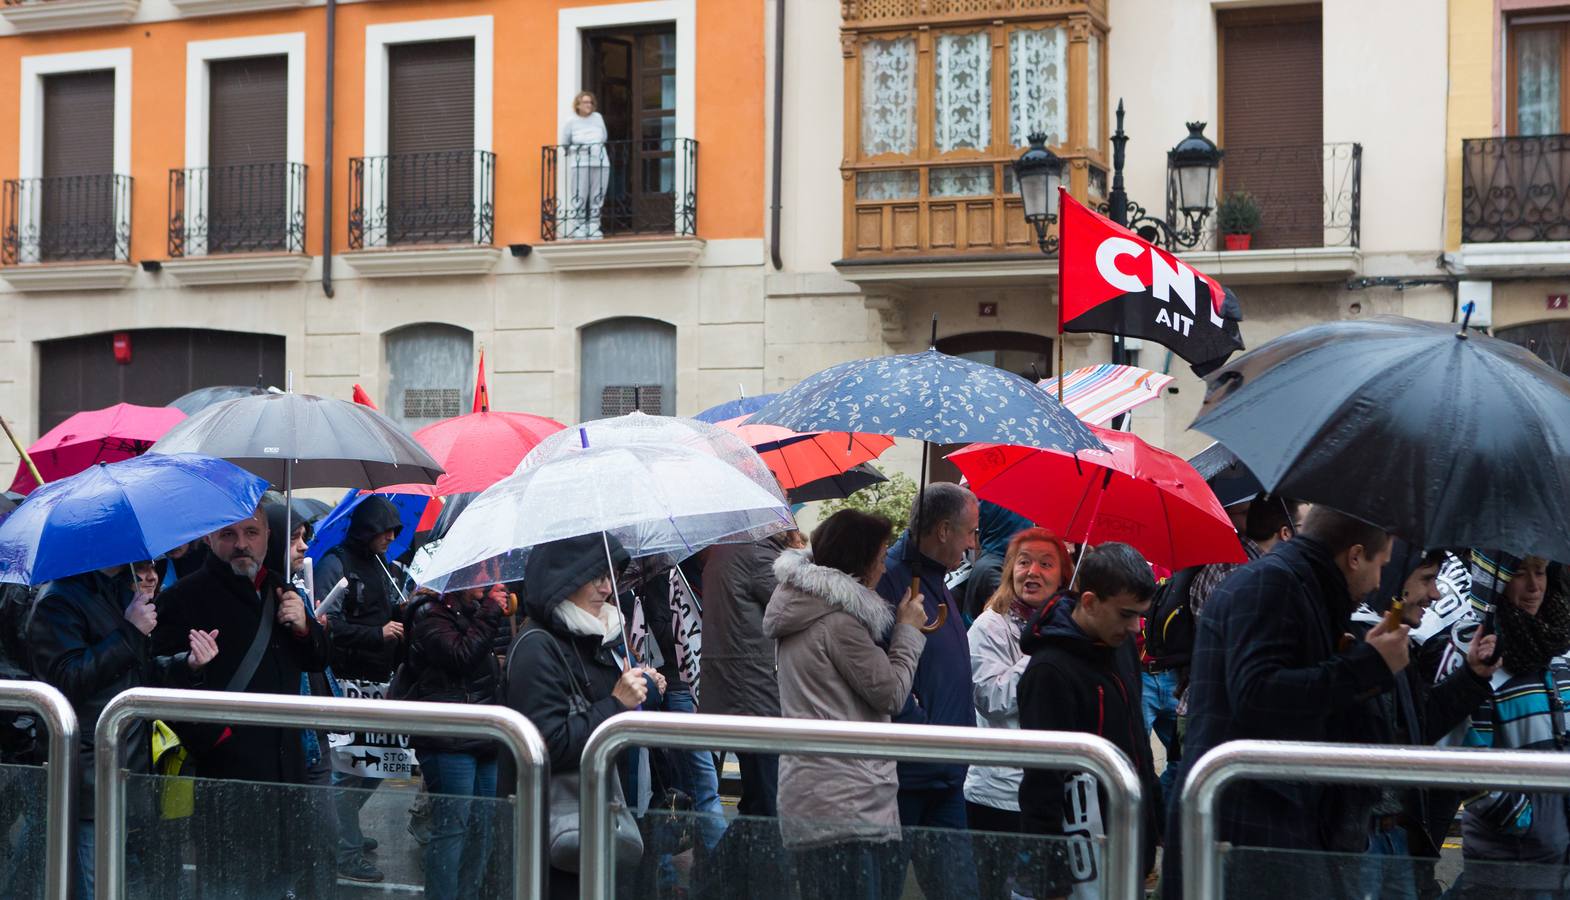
(180, 173)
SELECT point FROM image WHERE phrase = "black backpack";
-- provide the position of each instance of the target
(1169, 627)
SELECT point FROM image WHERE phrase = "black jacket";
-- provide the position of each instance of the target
(450, 661)
(216, 597)
(82, 644)
(1073, 683)
(1266, 666)
(359, 649)
(546, 660)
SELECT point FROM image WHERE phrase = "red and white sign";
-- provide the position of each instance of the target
(1559, 301)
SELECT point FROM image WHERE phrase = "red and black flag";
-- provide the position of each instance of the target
(1113, 282)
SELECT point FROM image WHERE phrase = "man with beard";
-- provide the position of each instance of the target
(1526, 711)
(266, 641)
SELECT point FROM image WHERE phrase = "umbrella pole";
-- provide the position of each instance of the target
(1060, 365)
(26, 460)
(1101, 494)
(914, 556)
(626, 631)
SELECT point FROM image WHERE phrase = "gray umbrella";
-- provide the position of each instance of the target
(203, 397)
(301, 440)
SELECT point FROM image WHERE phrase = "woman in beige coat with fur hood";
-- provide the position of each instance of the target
(841, 815)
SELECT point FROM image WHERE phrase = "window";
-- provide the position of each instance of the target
(627, 363)
(942, 98)
(430, 142)
(632, 73)
(247, 179)
(76, 214)
(1537, 56)
(430, 373)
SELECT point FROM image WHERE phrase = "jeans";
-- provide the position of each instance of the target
(135, 869)
(940, 846)
(1001, 849)
(698, 777)
(854, 870)
(460, 827)
(1160, 700)
(351, 842)
(1388, 874)
(760, 784)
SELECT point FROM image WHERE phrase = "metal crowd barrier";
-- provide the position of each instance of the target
(500, 723)
(905, 743)
(1416, 767)
(60, 776)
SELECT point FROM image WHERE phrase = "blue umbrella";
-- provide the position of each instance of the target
(122, 512)
(731, 409)
(334, 527)
(929, 396)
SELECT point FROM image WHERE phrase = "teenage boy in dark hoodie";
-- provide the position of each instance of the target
(1084, 676)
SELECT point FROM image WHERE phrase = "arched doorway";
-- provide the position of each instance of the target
(1026, 355)
(1549, 340)
(627, 363)
(430, 373)
(78, 373)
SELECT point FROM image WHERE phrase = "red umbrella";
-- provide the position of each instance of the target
(93, 436)
(798, 458)
(1138, 494)
(477, 450)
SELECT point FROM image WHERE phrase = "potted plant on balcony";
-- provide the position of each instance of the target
(1238, 216)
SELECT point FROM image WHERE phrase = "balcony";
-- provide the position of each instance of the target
(52, 15)
(431, 213)
(1515, 205)
(243, 223)
(620, 204)
(79, 224)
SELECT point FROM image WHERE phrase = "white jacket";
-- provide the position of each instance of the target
(995, 666)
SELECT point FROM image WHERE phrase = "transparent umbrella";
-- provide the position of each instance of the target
(659, 500)
(637, 429)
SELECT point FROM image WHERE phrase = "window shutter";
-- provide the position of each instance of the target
(430, 97)
(79, 124)
(248, 111)
(1273, 115)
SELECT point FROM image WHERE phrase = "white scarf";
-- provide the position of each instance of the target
(577, 620)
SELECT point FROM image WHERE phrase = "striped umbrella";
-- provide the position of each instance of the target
(1098, 394)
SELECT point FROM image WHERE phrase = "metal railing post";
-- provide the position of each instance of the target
(500, 723)
(1416, 767)
(60, 776)
(906, 743)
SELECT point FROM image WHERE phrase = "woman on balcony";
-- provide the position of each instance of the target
(583, 139)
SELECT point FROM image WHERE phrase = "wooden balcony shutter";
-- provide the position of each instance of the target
(1272, 123)
(248, 111)
(79, 124)
(430, 99)
(76, 200)
(246, 182)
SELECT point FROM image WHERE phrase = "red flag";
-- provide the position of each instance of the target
(362, 398)
(1111, 281)
(482, 394)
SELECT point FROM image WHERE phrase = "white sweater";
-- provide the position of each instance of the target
(579, 130)
(996, 663)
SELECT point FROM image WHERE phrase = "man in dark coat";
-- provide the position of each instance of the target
(1083, 676)
(89, 638)
(932, 795)
(739, 678)
(1266, 665)
(248, 606)
(365, 625)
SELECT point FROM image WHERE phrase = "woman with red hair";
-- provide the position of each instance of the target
(1036, 567)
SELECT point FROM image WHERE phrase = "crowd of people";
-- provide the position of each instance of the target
(1332, 631)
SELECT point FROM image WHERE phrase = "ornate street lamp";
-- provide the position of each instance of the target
(1191, 172)
(1038, 173)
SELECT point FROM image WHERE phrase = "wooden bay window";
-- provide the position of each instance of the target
(939, 101)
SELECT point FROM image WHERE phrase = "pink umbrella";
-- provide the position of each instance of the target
(93, 436)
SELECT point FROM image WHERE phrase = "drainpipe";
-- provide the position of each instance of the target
(779, 132)
(327, 155)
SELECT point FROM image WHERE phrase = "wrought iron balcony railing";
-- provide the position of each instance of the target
(438, 197)
(1309, 195)
(1515, 189)
(65, 218)
(590, 191)
(253, 208)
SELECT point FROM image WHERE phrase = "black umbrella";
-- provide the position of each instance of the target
(201, 398)
(307, 509)
(836, 487)
(1449, 439)
(1231, 481)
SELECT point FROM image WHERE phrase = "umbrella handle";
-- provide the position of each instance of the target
(943, 617)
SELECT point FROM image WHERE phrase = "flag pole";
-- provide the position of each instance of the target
(1060, 294)
(26, 460)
